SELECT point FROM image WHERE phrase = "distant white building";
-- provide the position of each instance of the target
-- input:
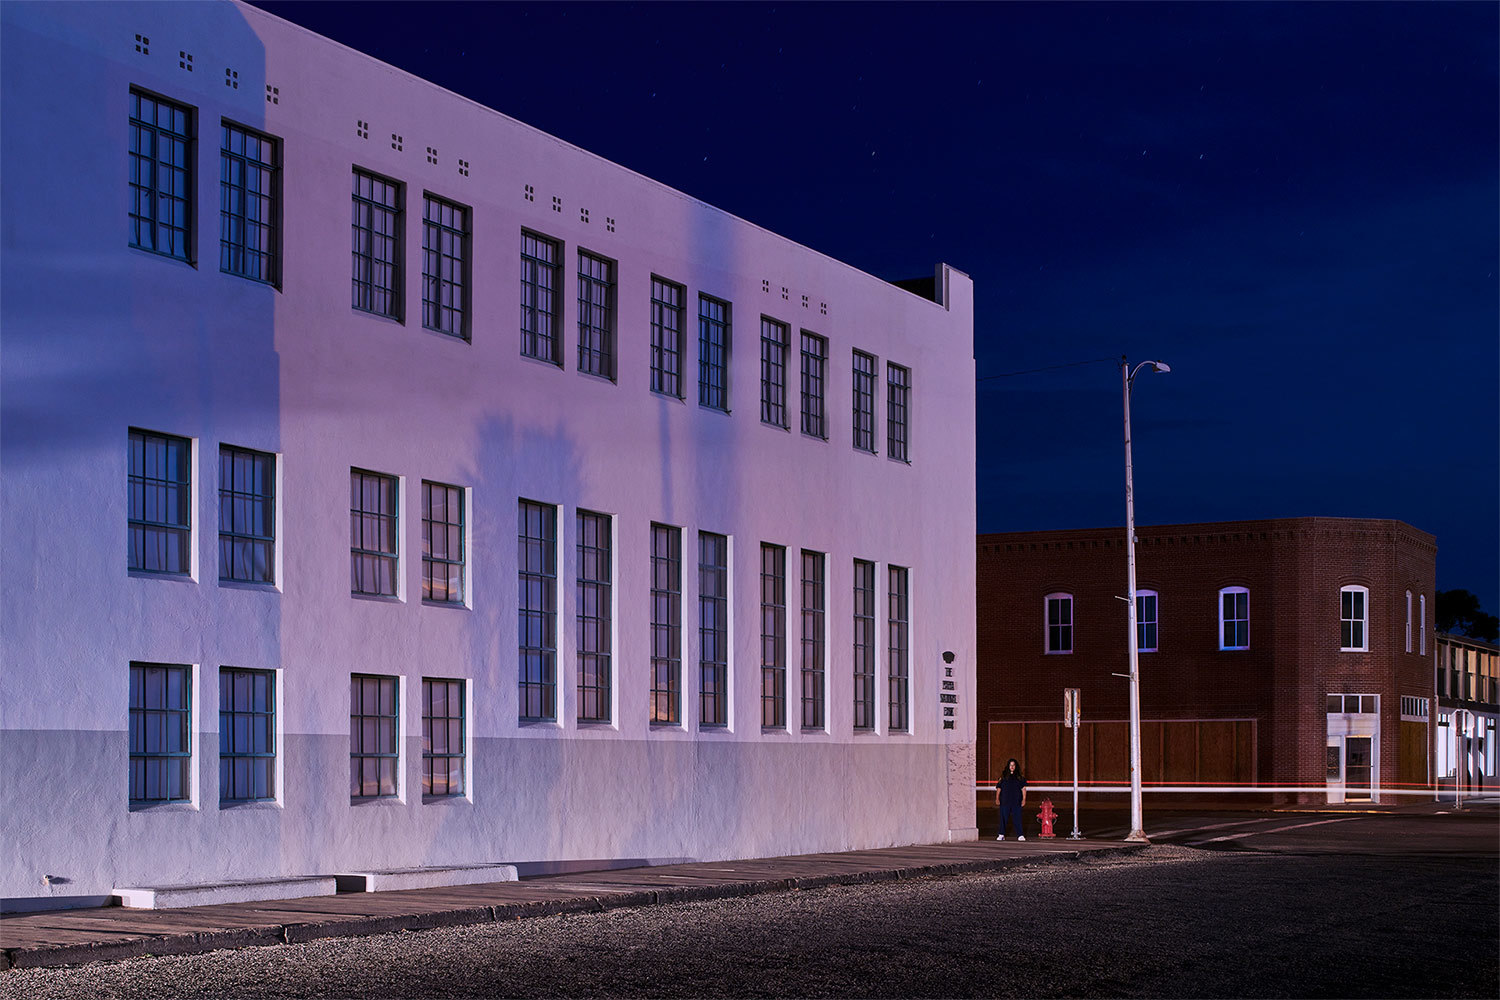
(387, 483)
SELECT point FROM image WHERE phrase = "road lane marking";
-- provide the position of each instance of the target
(1279, 829)
(1155, 835)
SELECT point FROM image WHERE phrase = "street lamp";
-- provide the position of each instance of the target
(1127, 376)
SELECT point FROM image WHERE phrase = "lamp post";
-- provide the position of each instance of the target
(1127, 377)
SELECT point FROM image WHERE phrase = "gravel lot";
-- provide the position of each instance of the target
(1168, 921)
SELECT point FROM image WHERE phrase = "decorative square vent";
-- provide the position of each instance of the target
(823, 308)
(530, 193)
(362, 129)
(786, 295)
(804, 302)
(231, 78)
(609, 223)
(463, 168)
(184, 60)
(143, 45)
(765, 286)
(273, 94)
(396, 142)
(583, 215)
(432, 155)
(556, 203)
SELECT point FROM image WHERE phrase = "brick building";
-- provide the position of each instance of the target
(1274, 653)
(1468, 707)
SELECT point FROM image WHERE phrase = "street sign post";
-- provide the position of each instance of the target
(1073, 719)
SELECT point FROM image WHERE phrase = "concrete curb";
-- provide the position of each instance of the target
(198, 942)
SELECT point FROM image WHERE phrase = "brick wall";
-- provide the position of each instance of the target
(1293, 570)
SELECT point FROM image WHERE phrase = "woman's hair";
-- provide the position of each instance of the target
(1007, 771)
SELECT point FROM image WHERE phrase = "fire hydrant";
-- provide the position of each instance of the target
(1047, 816)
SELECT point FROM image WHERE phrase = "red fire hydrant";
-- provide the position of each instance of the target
(1047, 816)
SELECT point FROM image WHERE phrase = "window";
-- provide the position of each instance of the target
(161, 502)
(666, 337)
(814, 362)
(247, 515)
(713, 353)
(774, 341)
(1352, 704)
(1234, 618)
(596, 315)
(1408, 621)
(1413, 708)
(541, 323)
(377, 244)
(864, 401)
(445, 266)
(812, 640)
(443, 553)
(864, 644)
(161, 733)
(666, 625)
(249, 204)
(247, 735)
(443, 737)
(1145, 621)
(713, 629)
(537, 590)
(1059, 623)
(373, 534)
(772, 636)
(1422, 624)
(897, 410)
(1354, 619)
(161, 176)
(595, 615)
(374, 737)
(899, 637)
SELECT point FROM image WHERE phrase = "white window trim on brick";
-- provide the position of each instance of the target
(1047, 625)
(1234, 590)
(1360, 617)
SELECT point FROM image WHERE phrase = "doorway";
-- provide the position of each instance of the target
(1357, 768)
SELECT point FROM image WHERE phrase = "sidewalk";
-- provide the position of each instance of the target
(73, 937)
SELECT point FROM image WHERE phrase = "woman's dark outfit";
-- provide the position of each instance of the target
(1011, 787)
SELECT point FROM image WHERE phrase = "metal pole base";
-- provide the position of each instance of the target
(1137, 837)
(1075, 835)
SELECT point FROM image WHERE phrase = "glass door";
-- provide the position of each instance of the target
(1357, 767)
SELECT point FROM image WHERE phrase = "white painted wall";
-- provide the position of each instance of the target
(99, 337)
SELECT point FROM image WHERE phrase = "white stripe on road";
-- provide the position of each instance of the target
(1153, 834)
(1279, 829)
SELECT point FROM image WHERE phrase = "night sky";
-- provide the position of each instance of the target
(1293, 205)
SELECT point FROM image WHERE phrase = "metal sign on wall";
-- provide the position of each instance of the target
(948, 698)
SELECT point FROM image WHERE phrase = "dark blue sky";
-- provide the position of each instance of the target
(1294, 205)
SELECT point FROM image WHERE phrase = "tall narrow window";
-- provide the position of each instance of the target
(772, 636)
(541, 323)
(247, 735)
(666, 337)
(536, 562)
(1409, 621)
(161, 175)
(377, 244)
(374, 737)
(1354, 619)
(596, 315)
(713, 629)
(899, 641)
(443, 554)
(773, 347)
(812, 639)
(249, 204)
(713, 353)
(1234, 618)
(1059, 623)
(1422, 624)
(864, 644)
(443, 737)
(373, 533)
(445, 266)
(1145, 620)
(897, 411)
(814, 364)
(247, 515)
(865, 366)
(161, 733)
(666, 625)
(161, 503)
(594, 617)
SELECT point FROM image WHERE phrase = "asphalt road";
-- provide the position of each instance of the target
(1232, 906)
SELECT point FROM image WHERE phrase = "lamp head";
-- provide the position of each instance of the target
(1160, 366)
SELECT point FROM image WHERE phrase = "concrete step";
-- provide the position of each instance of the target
(423, 878)
(246, 891)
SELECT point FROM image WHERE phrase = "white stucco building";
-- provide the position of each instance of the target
(387, 483)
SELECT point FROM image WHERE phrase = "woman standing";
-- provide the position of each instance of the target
(1010, 796)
